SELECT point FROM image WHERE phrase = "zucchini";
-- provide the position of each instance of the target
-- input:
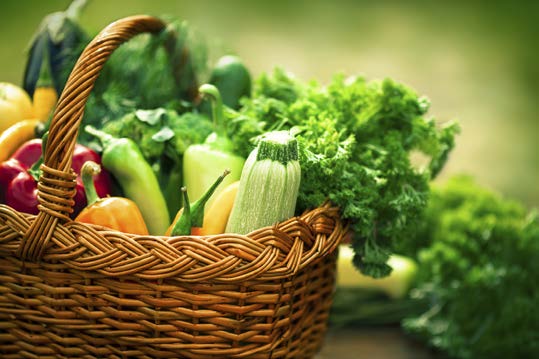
(269, 184)
(396, 285)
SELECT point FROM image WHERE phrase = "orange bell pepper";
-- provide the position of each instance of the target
(118, 213)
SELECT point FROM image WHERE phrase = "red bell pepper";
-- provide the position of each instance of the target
(20, 173)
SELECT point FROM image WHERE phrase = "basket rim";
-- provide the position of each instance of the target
(269, 253)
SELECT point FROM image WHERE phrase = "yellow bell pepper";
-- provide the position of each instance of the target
(15, 105)
(191, 218)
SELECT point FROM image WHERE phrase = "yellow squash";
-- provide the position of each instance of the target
(45, 95)
(216, 217)
(45, 98)
(15, 135)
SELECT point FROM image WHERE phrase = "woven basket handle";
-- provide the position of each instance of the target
(56, 186)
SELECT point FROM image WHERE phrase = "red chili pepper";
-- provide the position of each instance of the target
(20, 173)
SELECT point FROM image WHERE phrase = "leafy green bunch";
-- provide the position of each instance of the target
(147, 72)
(356, 139)
(478, 269)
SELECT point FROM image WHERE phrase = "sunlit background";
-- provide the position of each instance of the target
(476, 61)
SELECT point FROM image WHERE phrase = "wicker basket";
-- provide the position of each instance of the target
(70, 290)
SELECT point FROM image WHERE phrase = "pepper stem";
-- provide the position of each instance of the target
(105, 138)
(183, 224)
(198, 207)
(193, 214)
(218, 116)
(75, 8)
(35, 170)
(187, 206)
(88, 171)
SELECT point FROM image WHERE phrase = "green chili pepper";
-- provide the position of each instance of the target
(202, 163)
(191, 219)
(122, 158)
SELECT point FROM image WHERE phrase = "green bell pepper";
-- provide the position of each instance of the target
(202, 163)
(232, 79)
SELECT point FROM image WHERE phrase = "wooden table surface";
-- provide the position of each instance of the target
(372, 343)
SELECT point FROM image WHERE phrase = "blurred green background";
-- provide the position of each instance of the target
(476, 61)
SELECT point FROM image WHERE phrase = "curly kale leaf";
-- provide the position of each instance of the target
(478, 269)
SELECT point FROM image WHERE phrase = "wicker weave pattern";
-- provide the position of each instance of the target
(99, 293)
(270, 253)
(95, 318)
(71, 290)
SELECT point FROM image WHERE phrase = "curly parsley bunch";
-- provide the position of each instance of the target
(356, 138)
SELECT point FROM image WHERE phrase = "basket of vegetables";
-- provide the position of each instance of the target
(112, 276)
(155, 214)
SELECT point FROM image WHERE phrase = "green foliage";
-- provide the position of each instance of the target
(147, 72)
(355, 140)
(478, 258)
(161, 132)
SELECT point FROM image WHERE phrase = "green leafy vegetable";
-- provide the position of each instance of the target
(148, 72)
(161, 132)
(151, 117)
(355, 140)
(478, 269)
